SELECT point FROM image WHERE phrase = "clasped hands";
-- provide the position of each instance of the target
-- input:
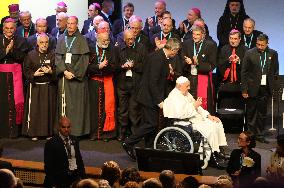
(234, 58)
(198, 103)
(128, 64)
(190, 61)
(43, 70)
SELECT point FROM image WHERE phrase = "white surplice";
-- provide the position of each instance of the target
(180, 106)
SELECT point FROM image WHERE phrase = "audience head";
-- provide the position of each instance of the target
(108, 7)
(136, 24)
(26, 18)
(131, 184)
(41, 25)
(94, 10)
(193, 14)
(172, 47)
(183, 84)
(204, 186)
(189, 182)
(248, 26)
(280, 145)
(72, 25)
(103, 27)
(7, 179)
(61, 7)
(129, 38)
(167, 25)
(234, 7)
(62, 18)
(64, 126)
(262, 42)
(246, 140)
(103, 183)
(223, 183)
(160, 7)
(167, 178)
(128, 10)
(110, 172)
(198, 33)
(129, 174)
(103, 40)
(97, 20)
(234, 38)
(14, 11)
(87, 183)
(42, 42)
(152, 183)
(9, 27)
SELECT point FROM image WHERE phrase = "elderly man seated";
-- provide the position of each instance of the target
(181, 105)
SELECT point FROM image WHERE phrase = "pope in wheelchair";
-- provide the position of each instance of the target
(181, 105)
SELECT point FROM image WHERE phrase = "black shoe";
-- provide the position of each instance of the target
(129, 150)
(218, 162)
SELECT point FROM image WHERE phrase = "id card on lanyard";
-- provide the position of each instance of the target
(262, 64)
(68, 57)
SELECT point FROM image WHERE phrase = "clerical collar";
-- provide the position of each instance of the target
(165, 54)
(125, 18)
(63, 137)
(8, 38)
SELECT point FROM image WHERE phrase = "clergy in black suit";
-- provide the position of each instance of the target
(152, 93)
(260, 68)
(61, 25)
(27, 28)
(250, 34)
(200, 57)
(63, 162)
(94, 10)
(107, 10)
(51, 20)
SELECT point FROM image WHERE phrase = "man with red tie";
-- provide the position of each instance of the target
(27, 28)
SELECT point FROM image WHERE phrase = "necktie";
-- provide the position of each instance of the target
(68, 147)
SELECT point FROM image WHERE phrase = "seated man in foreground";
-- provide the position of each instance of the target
(181, 105)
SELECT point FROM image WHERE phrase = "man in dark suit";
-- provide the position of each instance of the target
(152, 93)
(51, 20)
(28, 27)
(121, 24)
(63, 162)
(259, 69)
(107, 10)
(250, 34)
(94, 10)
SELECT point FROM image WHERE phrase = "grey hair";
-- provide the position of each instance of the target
(40, 36)
(22, 13)
(173, 44)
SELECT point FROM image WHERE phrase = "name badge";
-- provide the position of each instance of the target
(68, 58)
(129, 73)
(263, 80)
(47, 61)
(193, 70)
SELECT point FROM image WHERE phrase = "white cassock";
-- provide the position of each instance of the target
(179, 106)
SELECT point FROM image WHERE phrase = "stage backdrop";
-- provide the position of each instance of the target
(267, 14)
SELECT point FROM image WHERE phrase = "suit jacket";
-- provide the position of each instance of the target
(224, 62)
(56, 165)
(51, 22)
(107, 19)
(251, 43)
(20, 32)
(86, 26)
(118, 26)
(137, 54)
(142, 38)
(32, 42)
(146, 28)
(153, 88)
(251, 71)
(248, 174)
(206, 58)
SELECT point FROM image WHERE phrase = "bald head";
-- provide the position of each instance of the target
(129, 38)
(41, 25)
(97, 20)
(103, 39)
(7, 179)
(160, 7)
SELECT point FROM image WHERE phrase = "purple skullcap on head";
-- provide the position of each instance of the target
(61, 4)
(197, 11)
(97, 6)
(234, 31)
(13, 7)
(9, 20)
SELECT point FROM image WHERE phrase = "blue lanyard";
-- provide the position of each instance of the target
(245, 39)
(138, 40)
(199, 49)
(262, 63)
(71, 44)
(170, 35)
(98, 54)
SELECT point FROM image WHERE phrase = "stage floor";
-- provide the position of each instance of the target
(95, 153)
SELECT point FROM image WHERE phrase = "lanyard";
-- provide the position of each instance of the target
(23, 31)
(98, 54)
(170, 35)
(69, 47)
(245, 39)
(262, 63)
(44, 58)
(139, 38)
(199, 49)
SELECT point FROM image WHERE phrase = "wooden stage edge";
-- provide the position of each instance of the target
(31, 172)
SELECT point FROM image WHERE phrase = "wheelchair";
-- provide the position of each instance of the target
(180, 137)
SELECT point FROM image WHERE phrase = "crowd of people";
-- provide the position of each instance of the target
(120, 80)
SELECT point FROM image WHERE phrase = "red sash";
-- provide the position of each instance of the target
(202, 88)
(109, 124)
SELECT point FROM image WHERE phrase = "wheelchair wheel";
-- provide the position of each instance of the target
(174, 139)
